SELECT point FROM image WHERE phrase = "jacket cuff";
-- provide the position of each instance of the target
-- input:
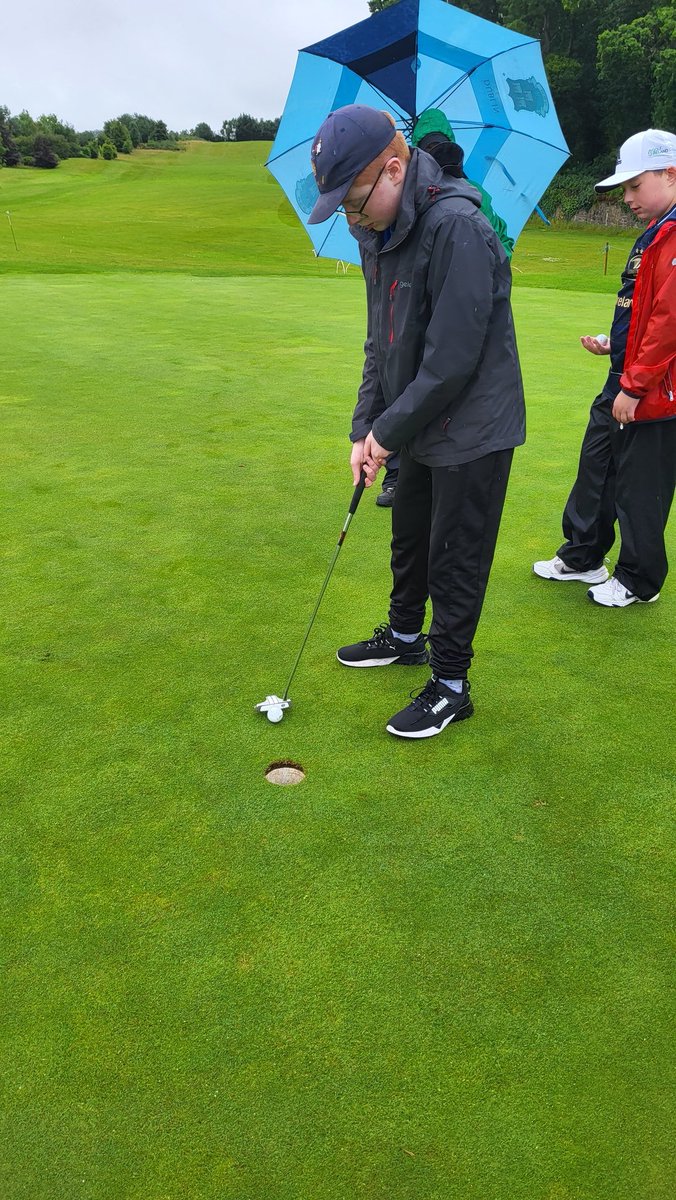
(384, 439)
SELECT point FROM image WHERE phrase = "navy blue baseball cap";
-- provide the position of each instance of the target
(350, 139)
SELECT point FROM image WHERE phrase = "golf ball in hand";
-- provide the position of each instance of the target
(602, 338)
(275, 714)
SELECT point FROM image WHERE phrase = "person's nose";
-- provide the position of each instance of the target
(353, 218)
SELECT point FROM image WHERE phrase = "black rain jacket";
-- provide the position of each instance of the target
(442, 373)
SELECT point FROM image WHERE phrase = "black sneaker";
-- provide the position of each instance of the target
(384, 648)
(431, 711)
(385, 499)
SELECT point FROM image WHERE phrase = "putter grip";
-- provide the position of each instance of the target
(358, 493)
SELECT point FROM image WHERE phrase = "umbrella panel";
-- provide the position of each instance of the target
(489, 81)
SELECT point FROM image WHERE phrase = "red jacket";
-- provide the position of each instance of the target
(650, 357)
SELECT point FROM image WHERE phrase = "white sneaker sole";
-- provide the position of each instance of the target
(625, 603)
(600, 575)
(402, 659)
(369, 662)
(426, 733)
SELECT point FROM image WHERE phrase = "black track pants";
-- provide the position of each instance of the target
(445, 523)
(624, 475)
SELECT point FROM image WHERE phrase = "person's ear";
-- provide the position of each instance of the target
(395, 170)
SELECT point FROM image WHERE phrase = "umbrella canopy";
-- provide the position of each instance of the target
(418, 55)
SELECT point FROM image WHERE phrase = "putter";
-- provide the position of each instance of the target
(275, 706)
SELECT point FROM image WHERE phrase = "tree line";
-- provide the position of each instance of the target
(43, 142)
(243, 128)
(611, 65)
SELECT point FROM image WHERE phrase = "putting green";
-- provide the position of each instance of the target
(433, 970)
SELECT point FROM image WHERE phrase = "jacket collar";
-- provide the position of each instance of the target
(425, 183)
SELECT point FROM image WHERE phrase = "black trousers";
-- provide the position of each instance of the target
(391, 470)
(625, 476)
(445, 523)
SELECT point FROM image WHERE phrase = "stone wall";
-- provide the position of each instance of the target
(608, 212)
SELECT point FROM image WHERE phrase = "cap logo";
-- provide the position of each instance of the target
(657, 150)
(318, 147)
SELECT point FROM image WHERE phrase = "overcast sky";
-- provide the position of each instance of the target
(200, 60)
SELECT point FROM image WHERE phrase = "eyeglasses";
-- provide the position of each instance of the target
(359, 212)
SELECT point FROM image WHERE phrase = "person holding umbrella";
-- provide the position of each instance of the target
(441, 385)
(433, 132)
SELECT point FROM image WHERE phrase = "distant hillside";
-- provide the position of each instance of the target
(215, 210)
(211, 210)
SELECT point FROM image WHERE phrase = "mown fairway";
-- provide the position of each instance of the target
(433, 971)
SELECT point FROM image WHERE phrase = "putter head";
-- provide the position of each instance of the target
(272, 702)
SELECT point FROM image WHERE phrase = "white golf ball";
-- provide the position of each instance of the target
(275, 714)
(602, 338)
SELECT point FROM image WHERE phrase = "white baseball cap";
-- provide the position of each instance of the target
(652, 150)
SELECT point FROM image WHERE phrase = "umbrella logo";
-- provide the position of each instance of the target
(306, 193)
(527, 95)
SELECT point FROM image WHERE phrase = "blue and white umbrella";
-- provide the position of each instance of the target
(419, 54)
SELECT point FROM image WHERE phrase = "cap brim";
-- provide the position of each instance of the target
(328, 202)
(614, 181)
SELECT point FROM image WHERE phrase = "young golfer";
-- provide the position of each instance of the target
(441, 384)
(433, 133)
(627, 464)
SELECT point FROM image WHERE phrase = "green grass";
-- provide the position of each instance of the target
(430, 972)
(214, 209)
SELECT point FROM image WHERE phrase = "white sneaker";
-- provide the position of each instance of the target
(614, 594)
(555, 568)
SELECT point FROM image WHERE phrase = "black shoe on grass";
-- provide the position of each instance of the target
(382, 649)
(431, 711)
(385, 499)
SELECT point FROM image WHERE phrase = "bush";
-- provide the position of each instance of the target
(43, 152)
(108, 151)
(204, 131)
(118, 134)
(11, 152)
(131, 125)
(62, 137)
(168, 144)
(572, 190)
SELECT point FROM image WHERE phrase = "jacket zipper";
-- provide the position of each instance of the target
(393, 288)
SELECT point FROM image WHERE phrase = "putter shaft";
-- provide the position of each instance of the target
(358, 493)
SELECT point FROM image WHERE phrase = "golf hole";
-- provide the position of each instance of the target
(285, 773)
